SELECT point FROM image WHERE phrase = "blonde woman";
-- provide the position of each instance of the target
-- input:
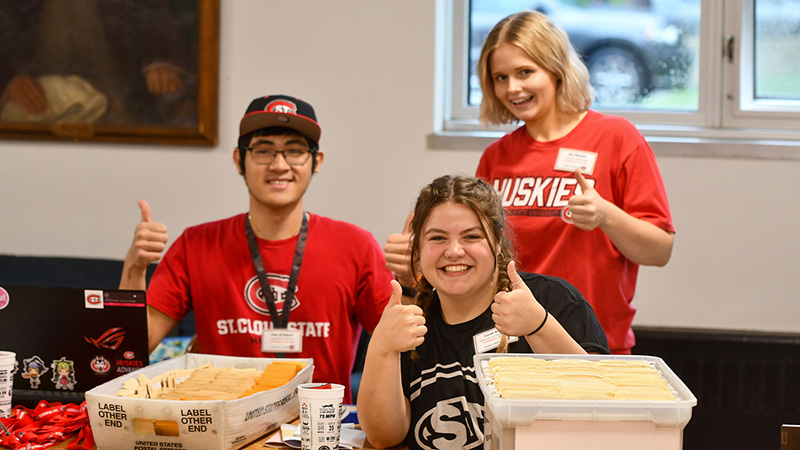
(582, 189)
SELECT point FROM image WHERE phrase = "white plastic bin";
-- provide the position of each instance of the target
(596, 424)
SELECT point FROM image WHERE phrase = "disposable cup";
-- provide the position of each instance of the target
(320, 415)
(7, 360)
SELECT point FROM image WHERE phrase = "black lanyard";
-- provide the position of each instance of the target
(269, 296)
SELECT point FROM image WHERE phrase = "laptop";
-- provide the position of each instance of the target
(68, 340)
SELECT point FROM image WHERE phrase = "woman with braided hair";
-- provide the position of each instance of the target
(419, 383)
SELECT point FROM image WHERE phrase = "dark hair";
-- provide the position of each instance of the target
(484, 201)
(244, 142)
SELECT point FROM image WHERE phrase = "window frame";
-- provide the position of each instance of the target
(722, 126)
(749, 111)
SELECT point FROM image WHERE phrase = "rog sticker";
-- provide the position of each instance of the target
(111, 339)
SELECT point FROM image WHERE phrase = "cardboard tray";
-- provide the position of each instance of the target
(518, 413)
(209, 424)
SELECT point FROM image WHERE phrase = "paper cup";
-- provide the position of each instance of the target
(320, 415)
(7, 360)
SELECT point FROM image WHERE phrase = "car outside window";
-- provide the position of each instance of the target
(678, 69)
(633, 52)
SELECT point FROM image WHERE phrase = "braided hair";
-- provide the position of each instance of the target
(484, 201)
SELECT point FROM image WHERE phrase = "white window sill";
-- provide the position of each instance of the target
(669, 143)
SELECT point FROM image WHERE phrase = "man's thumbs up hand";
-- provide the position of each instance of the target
(149, 239)
(397, 253)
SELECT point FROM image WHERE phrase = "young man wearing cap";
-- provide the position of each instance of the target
(326, 278)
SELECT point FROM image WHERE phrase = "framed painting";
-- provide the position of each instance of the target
(141, 71)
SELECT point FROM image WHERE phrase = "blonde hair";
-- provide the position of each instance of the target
(549, 47)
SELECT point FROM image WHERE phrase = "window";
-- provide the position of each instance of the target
(678, 69)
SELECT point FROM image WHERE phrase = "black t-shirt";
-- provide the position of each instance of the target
(446, 401)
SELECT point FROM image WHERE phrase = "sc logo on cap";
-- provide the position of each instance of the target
(281, 106)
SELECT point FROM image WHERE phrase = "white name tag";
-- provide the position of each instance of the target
(568, 160)
(489, 340)
(282, 340)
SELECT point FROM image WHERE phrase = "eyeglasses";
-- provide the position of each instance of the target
(266, 155)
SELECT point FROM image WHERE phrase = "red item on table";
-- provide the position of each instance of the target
(45, 426)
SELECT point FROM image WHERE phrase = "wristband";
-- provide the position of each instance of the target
(409, 292)
(540, 326)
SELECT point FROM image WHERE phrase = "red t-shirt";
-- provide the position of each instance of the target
(343, 285)
(536, 197)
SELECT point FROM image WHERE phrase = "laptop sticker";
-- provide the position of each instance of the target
(33, 369)
(63, 373)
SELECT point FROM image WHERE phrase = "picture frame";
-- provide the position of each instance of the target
(132, 71)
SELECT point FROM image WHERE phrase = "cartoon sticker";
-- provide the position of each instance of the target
(33, 369)
(63, 373)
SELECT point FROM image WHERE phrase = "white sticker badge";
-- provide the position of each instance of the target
(282, 340)
(93, 299)
(569, 159)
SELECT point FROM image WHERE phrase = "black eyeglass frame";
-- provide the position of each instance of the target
(274, 153)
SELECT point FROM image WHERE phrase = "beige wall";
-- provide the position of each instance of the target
(368, 68)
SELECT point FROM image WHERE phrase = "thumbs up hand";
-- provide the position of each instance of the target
(397, 253)
(516, 313)
(149, 239)
(401, 328)
(588, 209)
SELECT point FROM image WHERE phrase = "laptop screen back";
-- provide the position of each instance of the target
(69, 340)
